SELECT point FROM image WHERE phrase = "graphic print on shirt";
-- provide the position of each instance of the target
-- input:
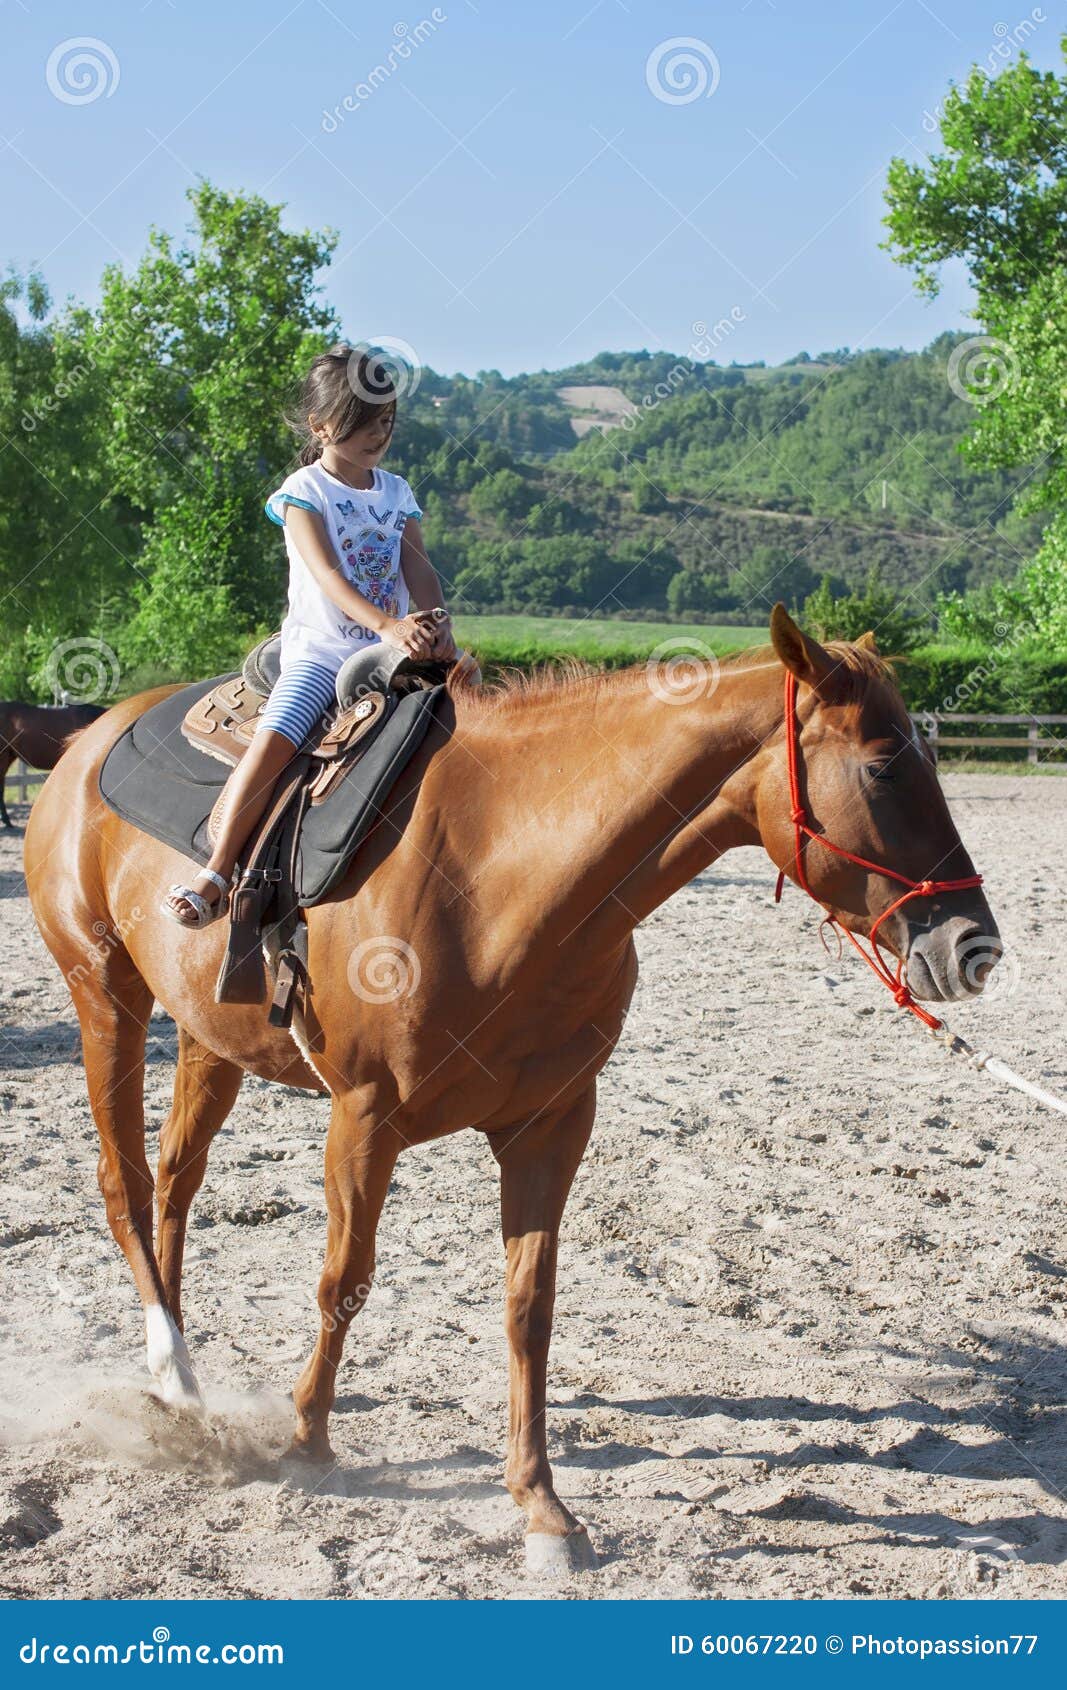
(374, 562)
(346, 508)
(371, 558)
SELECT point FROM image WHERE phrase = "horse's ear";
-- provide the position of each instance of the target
(803, 657)
(867, 642)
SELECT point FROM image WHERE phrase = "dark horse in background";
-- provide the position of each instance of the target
(38, 733)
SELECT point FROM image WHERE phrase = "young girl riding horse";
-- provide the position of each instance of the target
(357, 563)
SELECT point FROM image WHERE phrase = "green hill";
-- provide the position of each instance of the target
(701, 490)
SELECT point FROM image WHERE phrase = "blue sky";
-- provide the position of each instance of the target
(514, 192)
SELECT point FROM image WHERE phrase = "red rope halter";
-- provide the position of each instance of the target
(893, 979)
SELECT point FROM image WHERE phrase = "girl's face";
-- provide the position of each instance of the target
(362, 449)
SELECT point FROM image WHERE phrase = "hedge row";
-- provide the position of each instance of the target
(966, 679)
(1000, 681)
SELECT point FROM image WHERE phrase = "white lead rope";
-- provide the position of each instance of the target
(983, 1060)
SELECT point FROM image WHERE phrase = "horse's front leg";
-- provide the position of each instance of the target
(360, 1158)
(538, 1161)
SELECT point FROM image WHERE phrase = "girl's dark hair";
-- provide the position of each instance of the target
(346, 387)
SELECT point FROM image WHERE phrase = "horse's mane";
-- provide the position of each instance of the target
(573, 678)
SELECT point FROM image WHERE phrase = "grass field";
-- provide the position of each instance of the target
(530, 639)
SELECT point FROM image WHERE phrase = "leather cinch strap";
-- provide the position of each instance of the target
(894, 979)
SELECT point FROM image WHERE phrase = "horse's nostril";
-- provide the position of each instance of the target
(977, 954)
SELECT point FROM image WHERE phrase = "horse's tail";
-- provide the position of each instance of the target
(68, 740)
(91, 713)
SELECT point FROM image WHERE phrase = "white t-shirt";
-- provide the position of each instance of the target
(364, 526)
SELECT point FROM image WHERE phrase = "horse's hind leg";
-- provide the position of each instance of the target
(538, 1161)
(114, 1005)
(205, 1087)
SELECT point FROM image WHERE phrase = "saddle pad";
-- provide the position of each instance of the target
(153, 778)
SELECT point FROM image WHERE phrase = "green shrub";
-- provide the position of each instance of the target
(878, 608)
(976, 680)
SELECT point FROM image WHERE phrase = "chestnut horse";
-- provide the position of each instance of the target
(480, 975)
(38, 734)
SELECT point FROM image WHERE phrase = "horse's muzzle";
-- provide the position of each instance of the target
(954, 958)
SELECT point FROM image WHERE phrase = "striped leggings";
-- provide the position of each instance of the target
(301, 695)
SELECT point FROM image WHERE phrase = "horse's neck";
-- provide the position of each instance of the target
(643, 792)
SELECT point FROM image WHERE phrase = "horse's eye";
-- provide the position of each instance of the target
(880, 771)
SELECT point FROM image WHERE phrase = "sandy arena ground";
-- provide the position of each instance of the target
(810, 1330)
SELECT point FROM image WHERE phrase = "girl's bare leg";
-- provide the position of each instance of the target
(246, 796)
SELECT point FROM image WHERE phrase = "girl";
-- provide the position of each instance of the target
(356, 564)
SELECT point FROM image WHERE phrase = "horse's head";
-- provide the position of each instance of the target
(867, 782)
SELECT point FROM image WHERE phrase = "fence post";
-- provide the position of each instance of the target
(1031, 749)
(931, 738)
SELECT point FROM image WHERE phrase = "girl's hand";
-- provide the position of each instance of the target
(443, 649)
(412, 635)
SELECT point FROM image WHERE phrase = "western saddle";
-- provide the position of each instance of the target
(264, 912)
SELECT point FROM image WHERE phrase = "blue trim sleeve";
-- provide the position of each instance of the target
(281, 500)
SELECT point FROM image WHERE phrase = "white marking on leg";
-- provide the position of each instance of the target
(168, 1359)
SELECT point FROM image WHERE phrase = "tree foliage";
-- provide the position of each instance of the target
(997, 197)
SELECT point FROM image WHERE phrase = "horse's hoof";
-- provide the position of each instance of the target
(168, 1362)
(558, 1556)
(309, 1454)
(176, 1386)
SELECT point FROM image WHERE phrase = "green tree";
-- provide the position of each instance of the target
(195, 356)
(65, 544)
(647, 497)
(997, 197)
(504, 495)
(697, 591)
(768, 574)
(877, 609)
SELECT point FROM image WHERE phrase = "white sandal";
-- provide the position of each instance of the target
(203, 912)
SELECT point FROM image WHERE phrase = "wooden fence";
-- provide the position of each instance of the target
(1043, 736)
(18, 780)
